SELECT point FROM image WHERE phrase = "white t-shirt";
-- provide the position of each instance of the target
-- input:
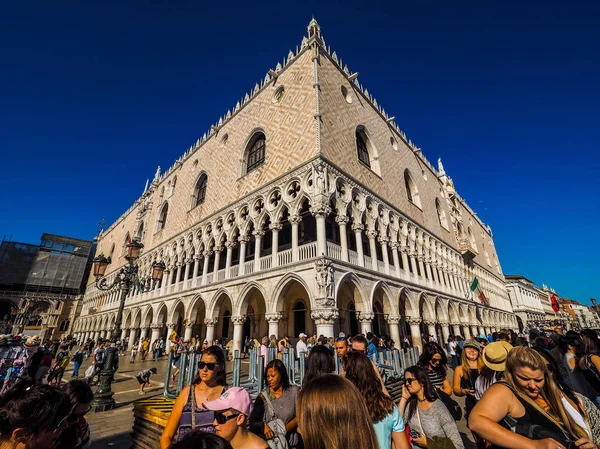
(452, 346)
(301, 347)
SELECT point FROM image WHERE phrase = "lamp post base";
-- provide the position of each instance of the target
(103, 397)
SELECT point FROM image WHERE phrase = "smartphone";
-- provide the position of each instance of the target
(414, 434)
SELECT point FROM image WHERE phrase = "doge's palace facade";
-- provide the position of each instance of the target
(304, 209)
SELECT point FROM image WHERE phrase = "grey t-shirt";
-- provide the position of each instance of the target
(436, 421)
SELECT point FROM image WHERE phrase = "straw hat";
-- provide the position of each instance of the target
(495, 355)
(32, 341)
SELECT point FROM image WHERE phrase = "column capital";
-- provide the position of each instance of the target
(229, 244)
(171, 325)
(238, 320)
(455, 323)
(393, 319)
(211, 321)
(365, 317)
(371, 234)
(243, 239)
(394, 245)
(384, 240)
(320, 209)
(218, 249)
(324, 316)
(197, 257)
(429, 322)
(358, 227)
(413, 320)
(208, 253)
(444, 323)
(342, 219)
(258, 233)
(156, 326)
(295, 219)
(276, 226)
(189, 325)
(273, 317)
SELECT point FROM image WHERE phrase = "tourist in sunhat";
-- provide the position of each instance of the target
(466, 374)
(494, 358)
(232, 410)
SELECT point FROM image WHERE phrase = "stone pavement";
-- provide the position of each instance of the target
(112, 429)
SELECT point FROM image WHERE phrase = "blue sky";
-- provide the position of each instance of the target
(95, 95)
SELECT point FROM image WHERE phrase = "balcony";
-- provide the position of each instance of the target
(466, 249)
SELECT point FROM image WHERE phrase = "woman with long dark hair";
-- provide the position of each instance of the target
(207, 386)
(276, 402)
(434, 361)
(320, 361)
(589, 362)
(332, 415)
(426, 414)
(32, 416)
(77, 434)
(387, 420)
(531, 401)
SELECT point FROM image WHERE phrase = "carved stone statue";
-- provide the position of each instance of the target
(157, 174)
(320, 180)
(325, 282)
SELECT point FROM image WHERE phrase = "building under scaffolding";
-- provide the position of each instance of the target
(40, 284)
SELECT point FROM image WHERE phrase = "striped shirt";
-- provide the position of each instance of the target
(435, 377)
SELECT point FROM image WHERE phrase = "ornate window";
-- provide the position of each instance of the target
(255, 156)
(441, 214)
(200, 190)
(172, 185)
(162, 218)
(361, 147)
(411, 189)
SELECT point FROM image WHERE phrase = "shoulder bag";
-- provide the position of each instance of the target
(451, 405)
(435, 442)
(279, 440)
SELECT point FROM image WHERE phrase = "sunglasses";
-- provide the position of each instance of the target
(211, 366)
(61, 423)
(220, 418)
(436, 360)
(409, 380)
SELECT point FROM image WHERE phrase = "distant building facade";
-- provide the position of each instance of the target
(304, 209)
(41, 285)
(525, 299)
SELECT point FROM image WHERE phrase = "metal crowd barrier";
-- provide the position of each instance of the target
(391, 365)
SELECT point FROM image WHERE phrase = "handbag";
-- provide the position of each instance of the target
(435, 442)
(194, 421)
(451, 405)
(89, 372)
(279, 440)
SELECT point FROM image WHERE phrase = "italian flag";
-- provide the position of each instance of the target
(478, 291)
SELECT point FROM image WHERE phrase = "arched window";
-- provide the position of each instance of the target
(125, 243)
(161, 197)
(255, 152)
(361, 147)
(140, 232)
(411, 189)
(441, 214)
(162, 218)
(172, 185)
(200, 190)
(64, 325)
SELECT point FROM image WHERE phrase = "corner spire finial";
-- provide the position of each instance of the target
(314, 29)
(441, 167)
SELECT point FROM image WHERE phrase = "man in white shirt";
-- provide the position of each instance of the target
(301, 345)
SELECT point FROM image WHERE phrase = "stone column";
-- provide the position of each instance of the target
(175, 278)
(238, 329)
(243, 240)
(275, 228)
(395, 246)
(404, 255)
(164, 285)
(456, 328)
(210, 329)
(186, 273)
(473, 330)
(207, 255)
(294, 221)
(257, 240)
(218, 250)
(415, 332)
(413, 262)
(357, 228)
(467, 331)
(431, 328)
(156, 328)
(325, 319)
(132, 337)
(366, 319)
(434, 272)
(229, 246)
(393, 321)
(342, 220)
(196, 266)
(320, 211)
(428, 269)
(187, 336)
(123, 334)
(384, 251)
(445, 334)
(481, 330)
(421, 264)
(144, 333)
(371, 236)
(273, 319)
(170, 329)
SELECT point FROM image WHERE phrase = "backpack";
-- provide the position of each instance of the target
(99, 357)
(78, 357)
(65, 362)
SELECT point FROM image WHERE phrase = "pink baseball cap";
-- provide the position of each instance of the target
(235, 398)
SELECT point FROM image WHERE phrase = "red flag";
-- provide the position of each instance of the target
(555, 306)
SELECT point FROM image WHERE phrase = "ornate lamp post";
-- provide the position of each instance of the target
(126, 278)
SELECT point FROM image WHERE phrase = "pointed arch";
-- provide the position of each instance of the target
(426, 308)
(357, 294)
(389, 306)
(277, 306)
(409, 306)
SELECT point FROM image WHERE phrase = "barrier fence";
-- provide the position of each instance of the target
(391, 365)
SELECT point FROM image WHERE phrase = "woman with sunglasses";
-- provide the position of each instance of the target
(32, 416)
(207, 386)
(434, 361)
(465, 374)
(276, 402)
(77, 434)
(428, 417)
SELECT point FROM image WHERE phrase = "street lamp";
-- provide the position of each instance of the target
(126, 278)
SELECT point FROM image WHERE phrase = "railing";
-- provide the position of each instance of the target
(233, 271)
(265, 262)
(368, 262)
(284, 257)
(353, 257)
(249, 267)
(334, 251)
(221, 274)
(209, 278)
(307, 251)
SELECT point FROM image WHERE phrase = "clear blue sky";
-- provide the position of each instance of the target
(94, 95)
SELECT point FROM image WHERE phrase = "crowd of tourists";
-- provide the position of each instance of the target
(536, 392)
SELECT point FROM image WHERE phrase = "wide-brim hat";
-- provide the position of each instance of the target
(32, 341)
(495, 354)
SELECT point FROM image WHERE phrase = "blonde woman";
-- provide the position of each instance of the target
(466, 374)
(528, 401)
(333, 415)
